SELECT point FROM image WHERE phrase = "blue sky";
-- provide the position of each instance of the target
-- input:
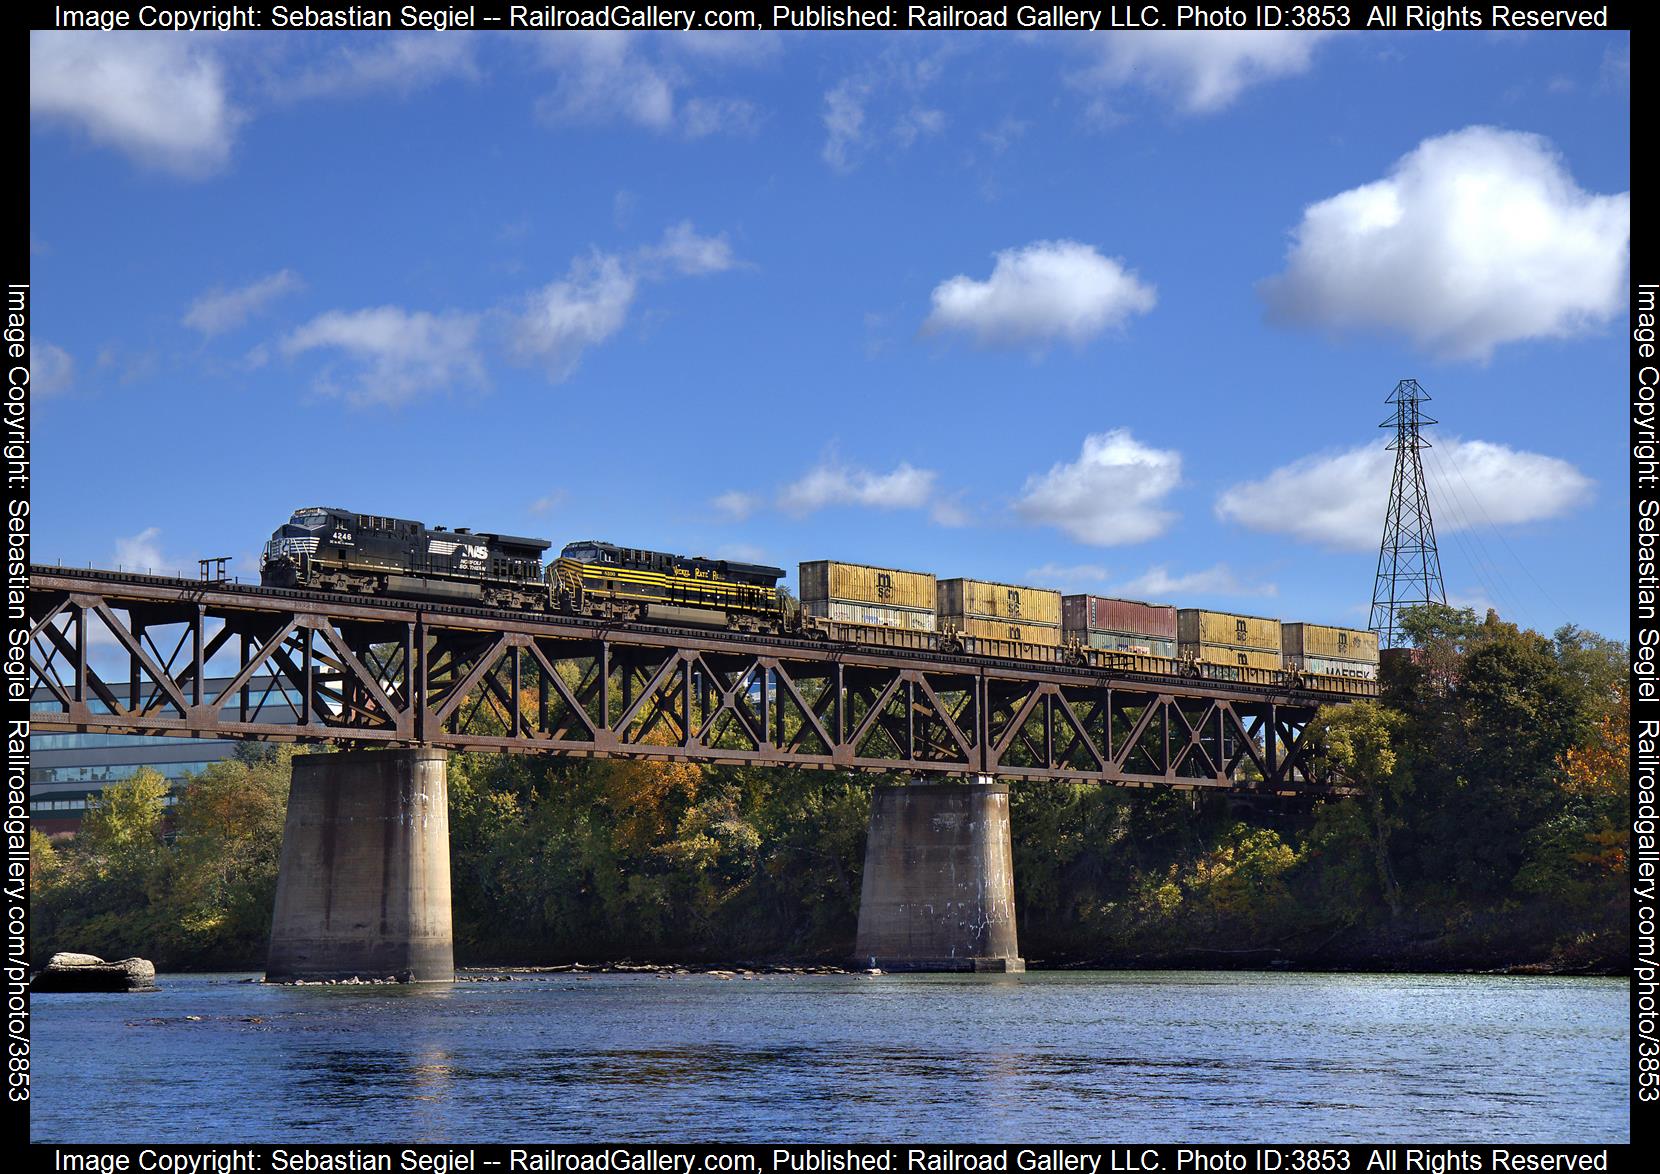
(1106, 312)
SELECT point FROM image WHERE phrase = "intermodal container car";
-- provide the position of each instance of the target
(1320, 640)
(876, 596)
(1000, 611)
(1119, 625)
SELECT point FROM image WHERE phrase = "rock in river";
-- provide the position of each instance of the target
(87, 972)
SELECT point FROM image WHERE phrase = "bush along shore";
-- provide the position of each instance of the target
(1486, 831)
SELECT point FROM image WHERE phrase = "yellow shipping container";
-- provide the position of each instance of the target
(999, 601)
(855, 583)
(1228, 654)
(1195, 626)
(1023, 631)
(1326, 642)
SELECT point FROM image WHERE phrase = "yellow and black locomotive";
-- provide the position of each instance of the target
(597, 578)
(365, 554)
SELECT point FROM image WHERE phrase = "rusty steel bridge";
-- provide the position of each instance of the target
(121, 653)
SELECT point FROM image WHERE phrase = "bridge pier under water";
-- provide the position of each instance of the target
(938, 890)
(363, 886)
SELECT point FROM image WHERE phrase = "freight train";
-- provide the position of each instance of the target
(326, 549)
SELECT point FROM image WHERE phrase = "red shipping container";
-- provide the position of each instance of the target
(1082, 612)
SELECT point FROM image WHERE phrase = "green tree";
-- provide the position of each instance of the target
(1358, 740)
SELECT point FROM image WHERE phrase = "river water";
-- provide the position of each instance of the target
(1085, 1057)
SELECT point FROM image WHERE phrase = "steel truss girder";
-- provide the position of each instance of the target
(149, 656)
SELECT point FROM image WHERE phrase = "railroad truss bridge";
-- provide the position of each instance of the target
(134, 654)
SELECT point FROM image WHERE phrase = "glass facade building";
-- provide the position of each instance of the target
(65, 770)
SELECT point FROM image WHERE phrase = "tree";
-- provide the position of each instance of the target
(1358, 740)
(121, 829)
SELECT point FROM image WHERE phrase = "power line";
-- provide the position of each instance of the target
(1409, 565)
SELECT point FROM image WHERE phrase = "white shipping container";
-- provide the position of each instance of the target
(873, 615)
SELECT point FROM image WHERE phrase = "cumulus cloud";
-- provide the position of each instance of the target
(1202, 71)
(1338, 499)
(1159, 583)
(1474, 239)
(399, 354)
(1044, 292)
(567, 317)
(832, 483)
(1111, 495)
(549, 502)
(562, 320)
(158, 97)
(688, 253)
(51, 369)
(220, 310)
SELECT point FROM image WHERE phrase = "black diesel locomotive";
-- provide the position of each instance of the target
(364, 554)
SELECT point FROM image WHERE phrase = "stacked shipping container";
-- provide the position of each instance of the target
(1221, 637)
(1000, 611)
(1330, 652)
(878, 596)
(1120, 625)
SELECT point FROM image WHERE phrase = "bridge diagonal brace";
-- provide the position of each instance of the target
(136, 648)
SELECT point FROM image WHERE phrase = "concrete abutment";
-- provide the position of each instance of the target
(363, 886)
(938, 890)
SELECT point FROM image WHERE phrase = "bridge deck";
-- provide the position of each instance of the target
(124, 653)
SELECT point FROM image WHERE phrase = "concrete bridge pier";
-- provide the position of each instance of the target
(363, 885)
(939, 879)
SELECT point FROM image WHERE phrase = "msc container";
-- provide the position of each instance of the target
(870, 614)
(1310, 640)
(827, 579)
(1322, 666)
(1195, 627)
(881, 596)
(1013, 630)
(998, 601)
(1228, 654)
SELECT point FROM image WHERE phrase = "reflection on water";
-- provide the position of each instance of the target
(1078, 1057)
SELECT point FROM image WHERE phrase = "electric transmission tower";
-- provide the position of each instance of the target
(1409, 568)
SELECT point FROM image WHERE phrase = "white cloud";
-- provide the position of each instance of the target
(141, 552)
(1474, 239)
(401, 354)
(567, 317)
(737, 505)
(844, 121)
(690, 254)
(1047, 291)
(1203, 70)
(832, 483)
(402, 62)
(219, 310)
(1158, 582)
(1074, 576)
(1338, 500)
(851, 130)
(1111, 495)
(158, 97)
(51, 369)
(608, 76)
(549, 502)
